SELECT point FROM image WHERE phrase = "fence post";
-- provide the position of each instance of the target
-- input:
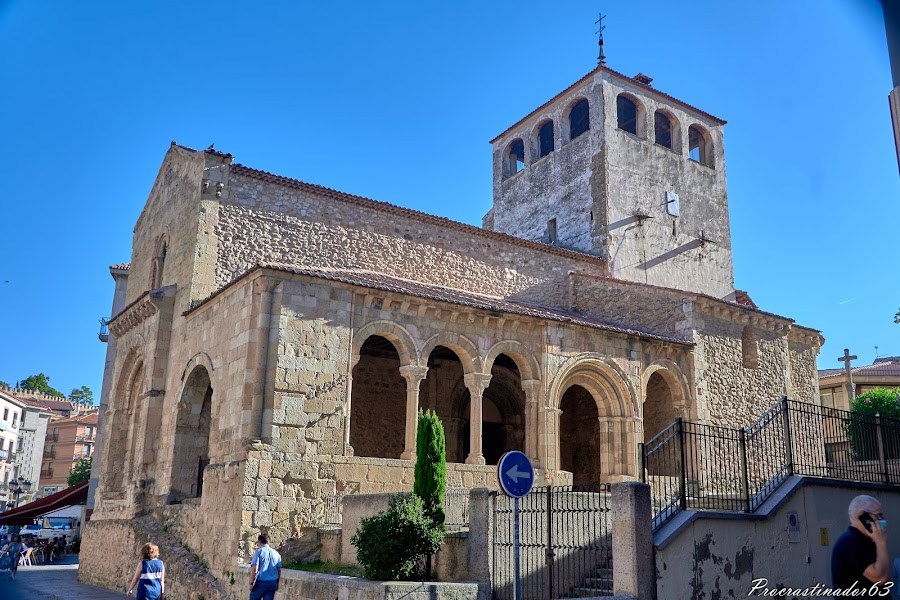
(788, 445)
(745, 480)
(634, 571)
(879, 441)
(682, 477)
(550, 555)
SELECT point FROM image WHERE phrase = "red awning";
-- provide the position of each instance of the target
(27, 513)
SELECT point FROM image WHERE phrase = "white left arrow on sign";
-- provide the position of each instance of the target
(515, 474)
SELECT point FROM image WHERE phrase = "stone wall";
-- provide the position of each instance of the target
(713, 557)
(804, 373)
(265, 222)
(110, 551)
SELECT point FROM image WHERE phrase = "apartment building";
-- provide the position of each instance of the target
(11, 410)
(67, 440)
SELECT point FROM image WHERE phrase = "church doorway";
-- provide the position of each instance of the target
(191, 454)
(378, 402)
(579, 436)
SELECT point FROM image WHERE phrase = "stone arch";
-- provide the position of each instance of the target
(193, 427)
(464, 348)
(157, 267)
(201, 359)
(578, 122)
(597, 374)
(666, 130)
(631, 114)
(377, 403)
(391, 331)
(616, 407)
(121, 436)
(514, 157)
(543, 139)
(700, 145)
(665, 397)
(522, 356)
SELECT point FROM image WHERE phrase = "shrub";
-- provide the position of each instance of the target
(392, 545)
(861, 425)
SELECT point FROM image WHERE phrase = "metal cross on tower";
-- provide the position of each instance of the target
(848, 371)
(601, 58)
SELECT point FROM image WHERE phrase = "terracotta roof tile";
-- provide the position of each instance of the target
(379, 281)
(386, 207)
(120, 267)
(885, 367)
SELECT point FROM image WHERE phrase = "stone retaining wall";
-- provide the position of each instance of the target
(301, 585)
(186, 576)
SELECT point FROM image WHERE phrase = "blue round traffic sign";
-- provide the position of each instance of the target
(515, 473)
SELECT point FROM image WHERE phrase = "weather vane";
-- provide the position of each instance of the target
(601, 58)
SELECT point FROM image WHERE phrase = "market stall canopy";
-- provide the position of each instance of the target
(27, 513)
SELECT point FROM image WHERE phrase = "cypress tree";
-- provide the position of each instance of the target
(431, 470)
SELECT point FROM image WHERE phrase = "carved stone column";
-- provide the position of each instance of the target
(348, 405)
(533, 396)
(414, 374)
(476, 383)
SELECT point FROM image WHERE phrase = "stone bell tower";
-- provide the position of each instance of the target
(615, 168)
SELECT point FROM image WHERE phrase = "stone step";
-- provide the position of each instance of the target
(591, 592)
(598, 582)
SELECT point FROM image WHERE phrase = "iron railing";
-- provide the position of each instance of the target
(565, 543)
(692, 466)
(333, 504)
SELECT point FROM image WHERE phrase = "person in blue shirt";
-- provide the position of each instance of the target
(149, 578)
(265, 570)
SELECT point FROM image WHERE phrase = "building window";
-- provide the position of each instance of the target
(700, 145)
(515, 157)
(6, 414)
(551, 231)
(159, 263)
(627, 114)
(545, 138)
(86, 451)
(662, 126)
(749, 348)
(15, 419)
(579, 119)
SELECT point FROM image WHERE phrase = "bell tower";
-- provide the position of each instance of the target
(615, 168)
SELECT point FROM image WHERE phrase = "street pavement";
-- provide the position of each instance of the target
(53, 582)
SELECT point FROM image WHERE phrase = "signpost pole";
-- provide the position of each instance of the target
(518, 590)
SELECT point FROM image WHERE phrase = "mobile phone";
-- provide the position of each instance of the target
(866, 520)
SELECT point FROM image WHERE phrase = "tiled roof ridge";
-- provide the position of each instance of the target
(696, 295)
(357, 277)
(387, 207)
(876, 368)
(120, 267)
(601, 68)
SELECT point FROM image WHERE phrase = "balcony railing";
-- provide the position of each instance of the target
(104, 331)
(49, 453)
(85, 438)
(46, 472)
(52, 437)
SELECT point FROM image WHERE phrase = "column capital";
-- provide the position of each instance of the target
(532, 388)
(413, 374)
(476, 383)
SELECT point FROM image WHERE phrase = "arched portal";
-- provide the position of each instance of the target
(378, 401)
(659, 406)
(579, 436)
(119, 446)
(192, 432)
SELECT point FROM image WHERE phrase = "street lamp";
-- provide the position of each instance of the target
(18, 487)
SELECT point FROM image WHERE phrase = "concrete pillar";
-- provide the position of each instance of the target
(414, 375)
(481, 529)
(476, 383)
(634, 572)
(533, 397)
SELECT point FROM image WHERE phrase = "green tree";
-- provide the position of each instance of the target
(430, 481)
(897, 317)
(4, 385)
(392, 545)
(40, 383)
(860, 425)
(81, 471)
(82, 395)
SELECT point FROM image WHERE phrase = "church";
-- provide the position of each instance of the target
(272, 340)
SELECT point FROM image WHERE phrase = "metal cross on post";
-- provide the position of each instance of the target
(848, 371)
(601, 58)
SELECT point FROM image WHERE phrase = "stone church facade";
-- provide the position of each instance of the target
(277, 338)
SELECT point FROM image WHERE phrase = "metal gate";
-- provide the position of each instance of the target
(565, 545)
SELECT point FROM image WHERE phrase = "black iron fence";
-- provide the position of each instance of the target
(565, 545)
(691, 466)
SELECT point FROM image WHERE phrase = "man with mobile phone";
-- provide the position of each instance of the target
(860, 557)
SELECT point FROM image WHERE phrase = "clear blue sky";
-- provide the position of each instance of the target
(398, 101)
